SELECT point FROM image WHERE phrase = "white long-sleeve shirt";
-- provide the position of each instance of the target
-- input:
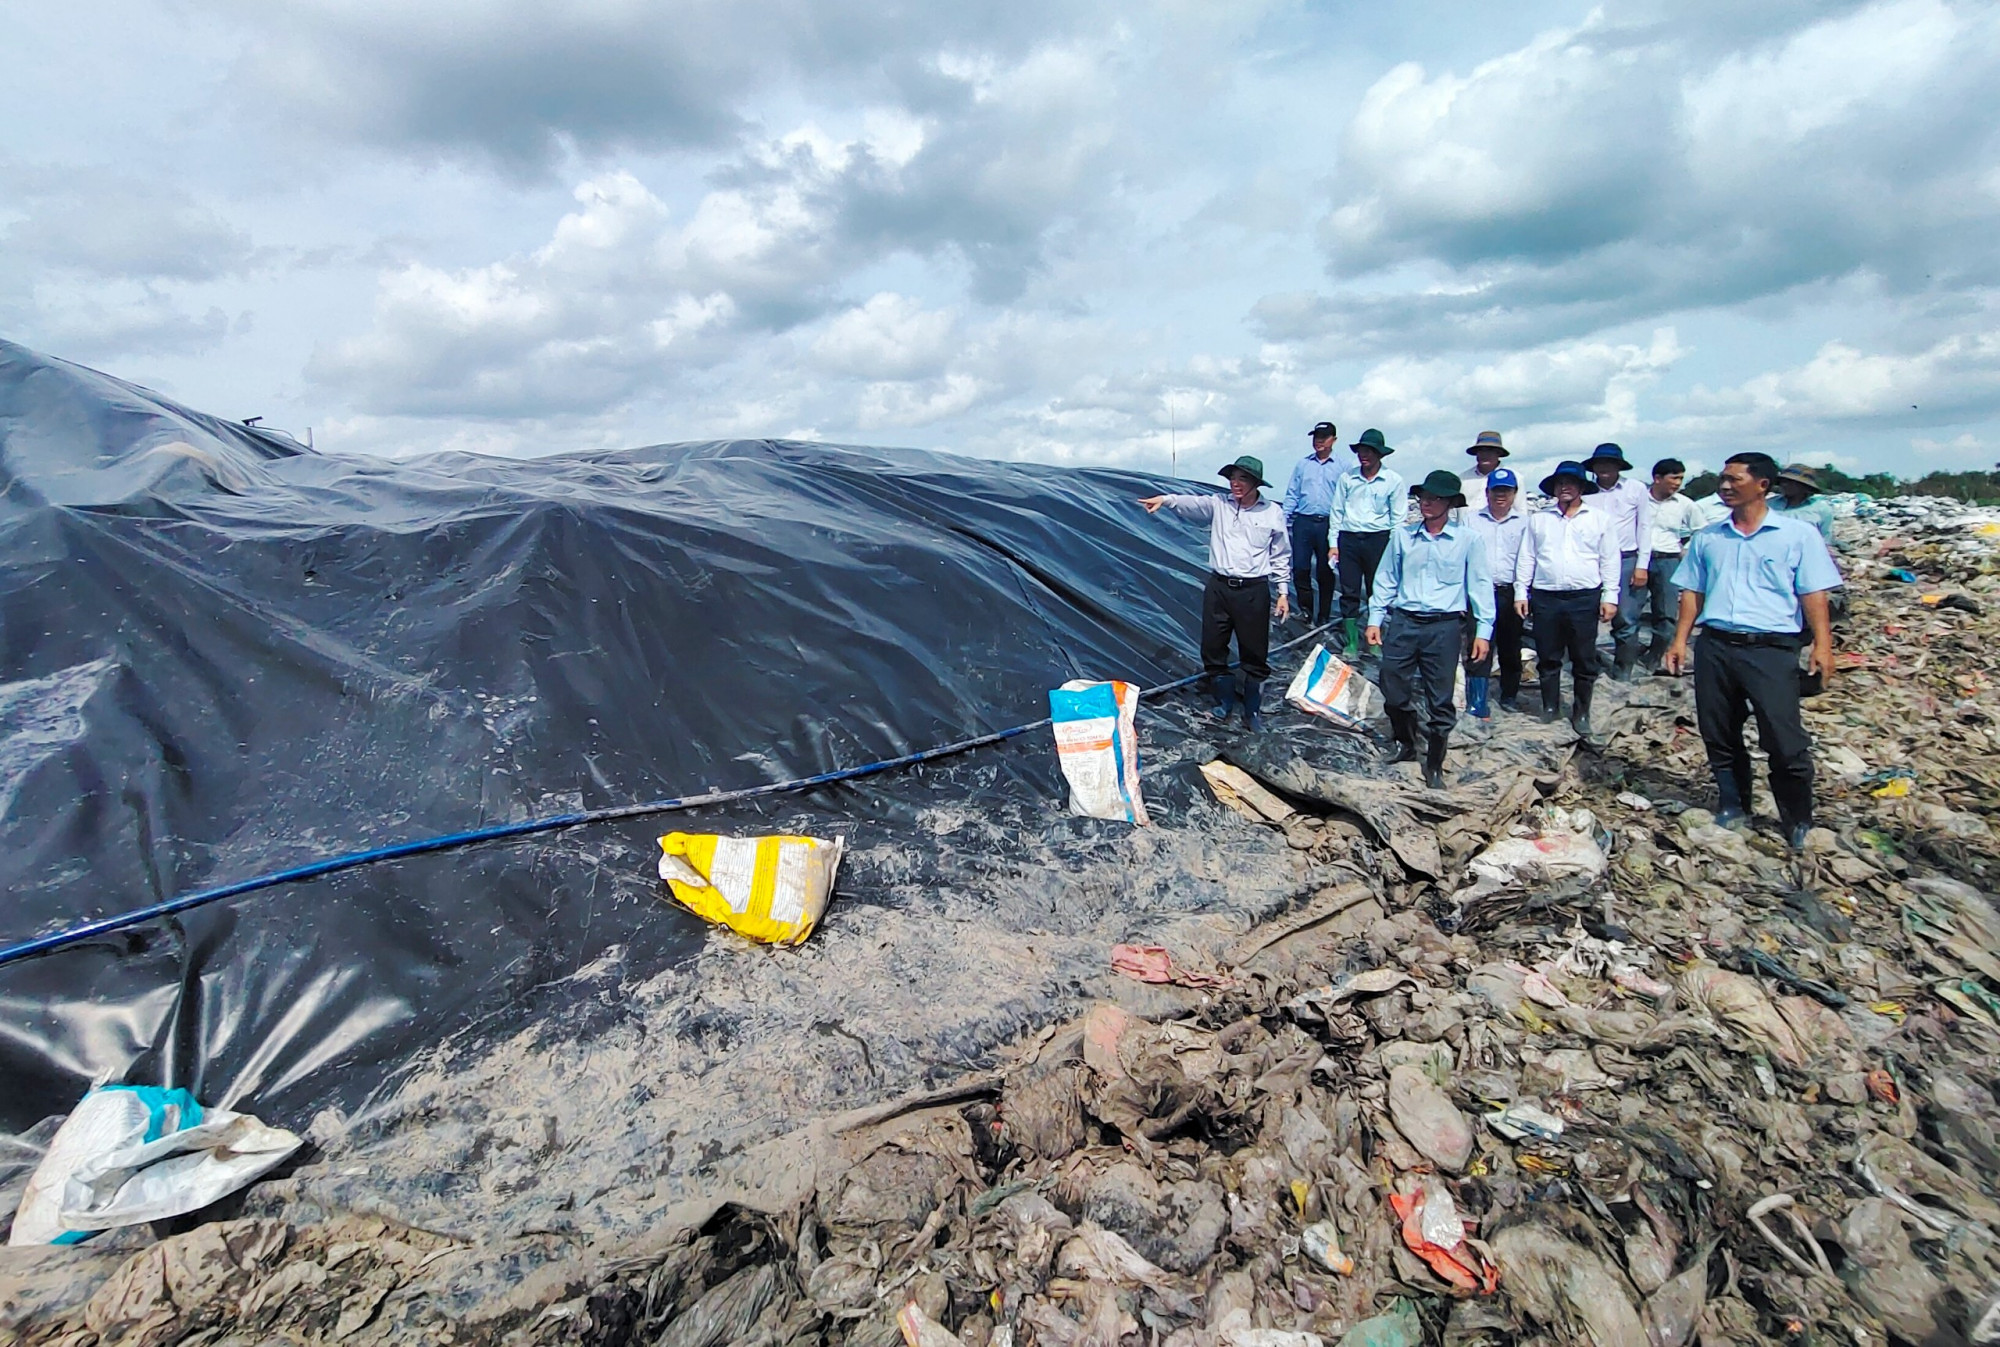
(1503, 539)
(1675, 520)
(1630, 505)
(1244, 544)
(1578, 551)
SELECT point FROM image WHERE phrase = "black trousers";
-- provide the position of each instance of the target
(1565, 624)
(1239, 608)
(1360, 554)
(1309, 547)
(1420, 657)
(1505, 647)
(1733, 681)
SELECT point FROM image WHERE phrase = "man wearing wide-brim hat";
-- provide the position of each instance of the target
(1368, 501)
(1249, 554)
(1433, 577)
(1567, 577)
(1630, 504)
(1796, 494)
(1487, 451)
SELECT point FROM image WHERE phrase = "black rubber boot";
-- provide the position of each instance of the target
(1552, 699)
(1225, 695)
(1624, 658)
(1434, 761)
(1579, 710)
(1729, 810)
(1404, 723)
(1253, 705)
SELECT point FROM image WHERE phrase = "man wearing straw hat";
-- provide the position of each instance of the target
(1797, 496)
(1567, 577)
(1368, 501)
(1432, 576)
(1249, 553)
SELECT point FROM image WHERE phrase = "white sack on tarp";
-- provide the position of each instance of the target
(1326, 685)
(134, 1154)
(1098, 746)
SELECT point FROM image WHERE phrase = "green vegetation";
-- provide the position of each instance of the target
(1979, 488)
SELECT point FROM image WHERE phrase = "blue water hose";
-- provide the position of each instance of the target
(452, 841)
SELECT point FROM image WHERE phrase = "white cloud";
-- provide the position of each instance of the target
(890, 337)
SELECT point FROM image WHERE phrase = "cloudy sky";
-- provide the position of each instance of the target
(1092, 234)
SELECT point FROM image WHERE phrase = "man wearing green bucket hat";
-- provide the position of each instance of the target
(1249, 553)
(1368, 501)
(1433, 576)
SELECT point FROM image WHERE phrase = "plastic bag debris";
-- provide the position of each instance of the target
(130, 1154)
(920, 1330)
(1432, 1229)
(1097, 743)
(1427, 1118)
(1325, 685)
(1401, 1326)
(772, 888)
(1152, 963)
(1321, 1241)
(1568, 1288)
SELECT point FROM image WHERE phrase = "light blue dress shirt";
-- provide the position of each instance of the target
(1425, 572)
(1311, 489)
(1753, 583)
(1364, 505)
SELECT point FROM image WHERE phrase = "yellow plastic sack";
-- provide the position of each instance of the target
(770, 888)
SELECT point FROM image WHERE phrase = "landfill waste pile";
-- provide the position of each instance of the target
(1319, 1056)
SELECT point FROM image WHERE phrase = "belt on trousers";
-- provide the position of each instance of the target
(1564, 593)
(1303, 515)
(1775, 640)
(1238, 581)
(1415, 616)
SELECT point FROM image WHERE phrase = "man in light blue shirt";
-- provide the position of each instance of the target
(1755, 582)
(1368, 501)
(1432, 573)
(1308, 507)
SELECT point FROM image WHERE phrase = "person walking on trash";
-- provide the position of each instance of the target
(1367, 502)
(1630, 505)
(1675, 519)
(1567, 577)
(1433, 572)
(1249, 551)
(1755, 583)
(1502, 528)
(1309, 508)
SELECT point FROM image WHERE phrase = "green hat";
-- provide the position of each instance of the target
(1372, 439)
(1253, 466)
(1441, 483)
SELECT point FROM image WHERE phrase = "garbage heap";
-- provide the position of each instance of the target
(1576, 1066)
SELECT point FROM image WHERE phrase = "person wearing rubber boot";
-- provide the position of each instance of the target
(1675, 519)
(1368, 501)
(1756, 583)
(1630, 504)
(1249, 554)
(1567, 578)
(1502, 528)
(1487, 451)
(1433, 574)
(1308, 511)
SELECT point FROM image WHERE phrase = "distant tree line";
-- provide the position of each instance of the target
(1978, 488)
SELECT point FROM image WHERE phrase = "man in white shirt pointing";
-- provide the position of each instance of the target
(1249, 554)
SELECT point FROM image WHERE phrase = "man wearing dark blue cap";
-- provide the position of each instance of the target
(1501, 527)
(1249, 554)
(1308, 510)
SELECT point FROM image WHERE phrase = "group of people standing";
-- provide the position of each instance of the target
(1471, 573)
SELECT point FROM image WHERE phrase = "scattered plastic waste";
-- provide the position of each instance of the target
(1153, 963)
(773, 889)
(1325, 685)
(1097, 743)
(131, 1154)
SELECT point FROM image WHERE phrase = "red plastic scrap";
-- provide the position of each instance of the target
(1882, 1085)
(1151, 963)
(1462, 1266)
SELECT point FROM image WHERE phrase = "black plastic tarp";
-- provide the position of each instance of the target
(221, 654)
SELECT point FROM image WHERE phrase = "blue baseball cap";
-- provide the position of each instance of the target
(1503, 477)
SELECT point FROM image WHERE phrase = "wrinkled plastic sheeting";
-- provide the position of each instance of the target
(223, 655)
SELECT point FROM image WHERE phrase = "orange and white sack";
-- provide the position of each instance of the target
(772, 889)
(1326, 685)
(1098, 746)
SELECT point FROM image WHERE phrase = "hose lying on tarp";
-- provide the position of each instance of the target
(498, 832)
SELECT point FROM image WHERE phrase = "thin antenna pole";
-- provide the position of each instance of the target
(1174, 437)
